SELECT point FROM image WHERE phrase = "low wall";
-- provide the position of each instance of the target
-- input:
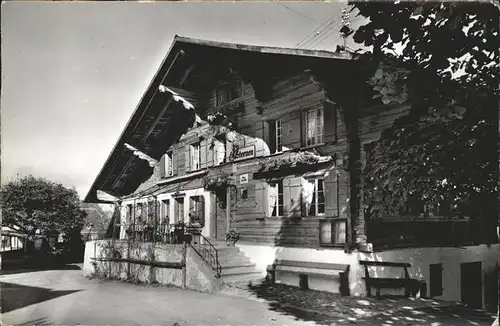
(198, 275)
(451, 260)
(262, 256)
(419, 258)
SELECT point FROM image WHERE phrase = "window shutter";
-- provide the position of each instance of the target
(191, 209)
(272, 136)
(330, 122)
(203, 154)
(260, 199)
(187, 160)
(287, 197)
(294, 201)
(162, 167)
(175, 164)
(267, 140)
(303, 135)
(331, 195)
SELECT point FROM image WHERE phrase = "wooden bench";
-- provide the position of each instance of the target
(410, 285)
(302, 268)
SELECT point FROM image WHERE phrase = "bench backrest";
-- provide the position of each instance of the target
(384, 263)
(368, 263)
(305, 264)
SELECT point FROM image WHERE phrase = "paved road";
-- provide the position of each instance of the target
(64, 297)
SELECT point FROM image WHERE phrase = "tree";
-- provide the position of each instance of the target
(442, 58)
(31, 204)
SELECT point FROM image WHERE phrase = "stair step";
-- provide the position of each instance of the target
(237, 270)
(241, 278)
(235, 262)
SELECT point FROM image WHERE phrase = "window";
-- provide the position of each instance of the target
(195, 156)
(197, 210)
(317, 205)
(140, 213)
(332, 232)
(151, 212)
(164, 218)
(129, 213)
(179, 209)
(314, 126)
(169, 171)
(276, 136)
(276, 199)
(219, 151)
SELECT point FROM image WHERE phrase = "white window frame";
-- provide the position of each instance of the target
(315, 198)
(280, 200)
(169, 171)
(195, 150)
(314, 119)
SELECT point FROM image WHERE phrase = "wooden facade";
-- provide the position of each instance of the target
(273, 105)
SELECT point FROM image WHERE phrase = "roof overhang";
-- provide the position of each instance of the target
(157, 114)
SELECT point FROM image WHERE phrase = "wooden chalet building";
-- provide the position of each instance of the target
(269, 142)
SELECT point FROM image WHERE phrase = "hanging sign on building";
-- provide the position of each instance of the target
(244, 153)
(243, 178)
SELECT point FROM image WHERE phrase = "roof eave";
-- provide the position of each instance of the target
(150, 92)
(91, 196)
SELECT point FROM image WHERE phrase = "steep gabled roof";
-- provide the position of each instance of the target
(123, 172)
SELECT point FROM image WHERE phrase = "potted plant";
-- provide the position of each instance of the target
(232, 237)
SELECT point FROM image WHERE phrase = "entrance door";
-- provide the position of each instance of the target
(472, 284)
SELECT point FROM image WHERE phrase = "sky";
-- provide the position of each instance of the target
(73, 72)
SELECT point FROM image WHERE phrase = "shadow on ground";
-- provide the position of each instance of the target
(8, 270)
(39, 322)
(326, 308)
(16, 296)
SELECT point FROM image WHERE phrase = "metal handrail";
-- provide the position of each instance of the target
(206, 250)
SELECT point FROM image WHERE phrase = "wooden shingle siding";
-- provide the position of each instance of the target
(289, 99)
(280, 231)
(375, 119)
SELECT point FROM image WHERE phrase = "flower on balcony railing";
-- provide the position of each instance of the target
(299, 159)
(216, 183)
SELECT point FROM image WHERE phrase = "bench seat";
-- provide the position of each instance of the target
(311, 269)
